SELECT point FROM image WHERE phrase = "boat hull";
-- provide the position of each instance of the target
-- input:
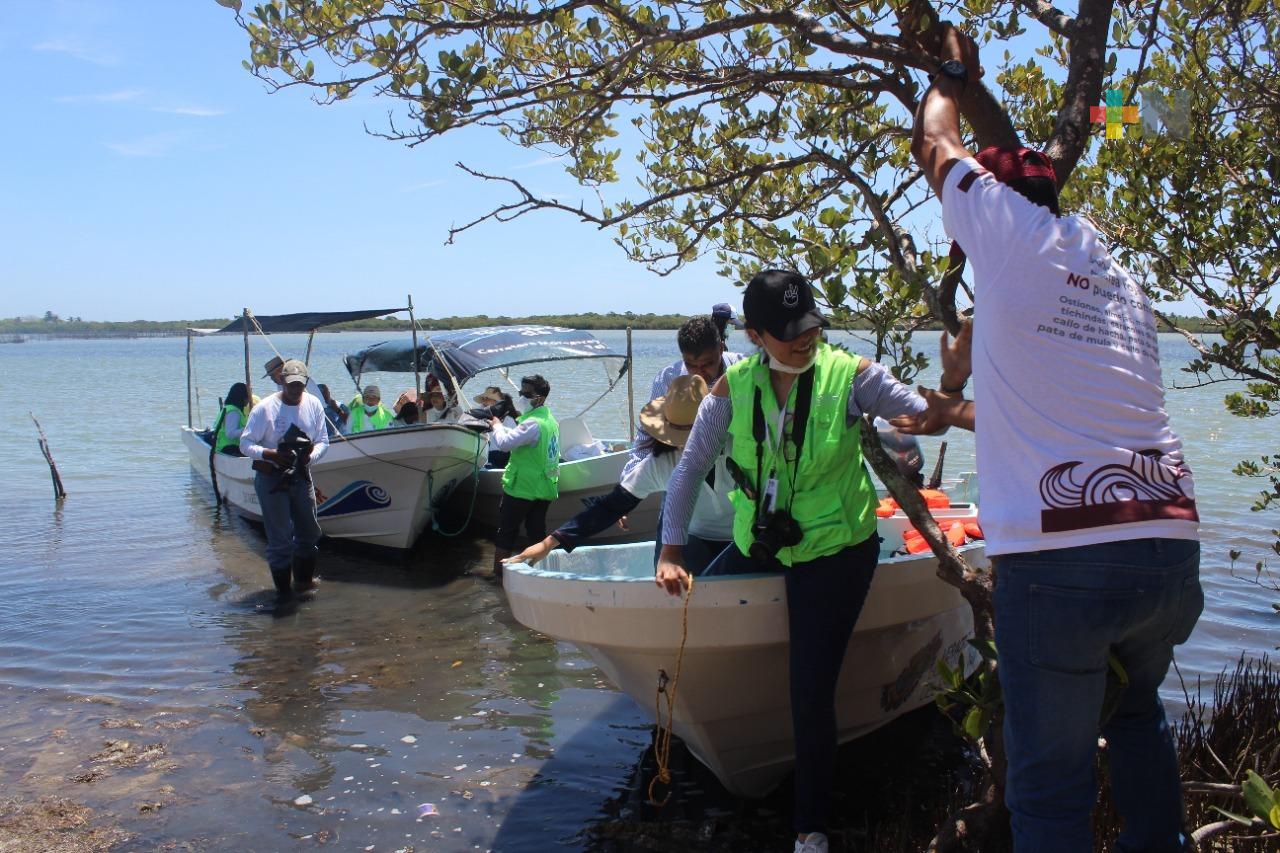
(379, 488)
(580, 481)
(733, 708)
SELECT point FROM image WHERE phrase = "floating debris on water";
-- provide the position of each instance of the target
(427, 810)
(304, 800)
(408, 739)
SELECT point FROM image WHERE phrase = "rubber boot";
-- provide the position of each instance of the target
(304, 574)
(499, 554)
(280, 577)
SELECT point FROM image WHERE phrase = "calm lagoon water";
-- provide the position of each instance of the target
(140, 676)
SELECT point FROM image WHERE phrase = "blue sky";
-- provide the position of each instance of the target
(147, 175)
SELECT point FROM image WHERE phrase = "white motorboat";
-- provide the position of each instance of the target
(732, 707)
(457, 356)
(378, 488)
(580, 481)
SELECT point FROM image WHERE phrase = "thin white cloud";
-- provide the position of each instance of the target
(102, 97)
(77, 48)
(541, 161)
(152, 145)
(425, 185)
(203, 112)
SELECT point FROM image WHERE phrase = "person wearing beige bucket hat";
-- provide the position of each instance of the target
(668, 420)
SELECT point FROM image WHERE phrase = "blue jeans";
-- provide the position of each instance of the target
(1059, 616)
(289, 516)
(824, 598)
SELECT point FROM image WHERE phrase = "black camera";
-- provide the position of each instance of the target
(294, 440)
(499, 410)
(778, 530)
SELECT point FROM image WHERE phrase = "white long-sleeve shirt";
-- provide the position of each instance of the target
(508, 439)
(271, 419)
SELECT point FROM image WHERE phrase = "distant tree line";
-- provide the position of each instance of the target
(52, 324)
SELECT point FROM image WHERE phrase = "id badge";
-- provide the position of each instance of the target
(770, 494)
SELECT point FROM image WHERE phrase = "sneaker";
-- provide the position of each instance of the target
(816, 842)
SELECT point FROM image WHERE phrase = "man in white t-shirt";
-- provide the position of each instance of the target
(282, 482)
(1087, 505)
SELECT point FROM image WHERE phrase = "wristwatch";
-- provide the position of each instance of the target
(954, 69)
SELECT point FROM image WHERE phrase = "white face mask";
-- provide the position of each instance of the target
(786, 368)
(369, 410)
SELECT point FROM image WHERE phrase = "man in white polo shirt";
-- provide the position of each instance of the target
(1087, 505)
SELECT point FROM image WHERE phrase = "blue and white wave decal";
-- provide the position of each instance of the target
(360, 496)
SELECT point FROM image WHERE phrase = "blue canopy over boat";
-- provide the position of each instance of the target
(466, 352)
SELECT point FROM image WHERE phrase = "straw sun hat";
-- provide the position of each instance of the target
(669, 419)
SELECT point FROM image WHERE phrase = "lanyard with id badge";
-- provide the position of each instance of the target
(774, 528)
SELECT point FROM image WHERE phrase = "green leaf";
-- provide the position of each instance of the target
(1233, 816)
(973, 723)
(1258, 795)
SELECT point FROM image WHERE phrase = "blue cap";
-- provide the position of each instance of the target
(724, 311)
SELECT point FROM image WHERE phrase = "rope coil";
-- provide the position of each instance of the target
(662, 737)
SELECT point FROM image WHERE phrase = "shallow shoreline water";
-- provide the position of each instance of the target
(131, 615)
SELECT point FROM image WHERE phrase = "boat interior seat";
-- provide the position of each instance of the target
(576, 441)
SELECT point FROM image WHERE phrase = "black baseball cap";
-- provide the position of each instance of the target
(780, 302)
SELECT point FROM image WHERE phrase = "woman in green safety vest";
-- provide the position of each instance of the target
(530, 480)
(231, 420)
(805, 504)
(367, 411)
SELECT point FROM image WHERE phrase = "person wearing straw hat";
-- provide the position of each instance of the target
(668, 419)
(805, 504)
(703, 352)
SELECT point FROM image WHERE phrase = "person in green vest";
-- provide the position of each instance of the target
(530, 480)
(367, 411)
(231, 420)
(805, 504)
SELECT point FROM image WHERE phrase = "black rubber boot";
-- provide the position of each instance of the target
(280, 577)
(304, 574)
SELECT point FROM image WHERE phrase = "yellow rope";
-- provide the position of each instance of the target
(662, 739)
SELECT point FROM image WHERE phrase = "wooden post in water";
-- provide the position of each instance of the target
(631, 388)
(58, 491)
(311, 336)
(417, 382)
(189, 419)
(248, 380)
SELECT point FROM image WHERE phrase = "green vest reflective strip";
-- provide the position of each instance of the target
(533, 472)
(362, 421)
(222, 440)
(834, 501)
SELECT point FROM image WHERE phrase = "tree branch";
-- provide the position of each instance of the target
(1085, 68)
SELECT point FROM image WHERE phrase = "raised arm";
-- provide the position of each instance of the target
(935, 139)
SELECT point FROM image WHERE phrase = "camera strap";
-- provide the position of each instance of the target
(766, 491)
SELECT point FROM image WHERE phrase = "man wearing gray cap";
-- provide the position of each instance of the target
(286, 433)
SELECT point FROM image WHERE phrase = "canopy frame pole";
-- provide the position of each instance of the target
(311, 336)
(417, 380)
(248, 380)
(631, 387)
(189, 418)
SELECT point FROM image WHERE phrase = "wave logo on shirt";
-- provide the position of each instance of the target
(360, 496)
(1144, 490)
